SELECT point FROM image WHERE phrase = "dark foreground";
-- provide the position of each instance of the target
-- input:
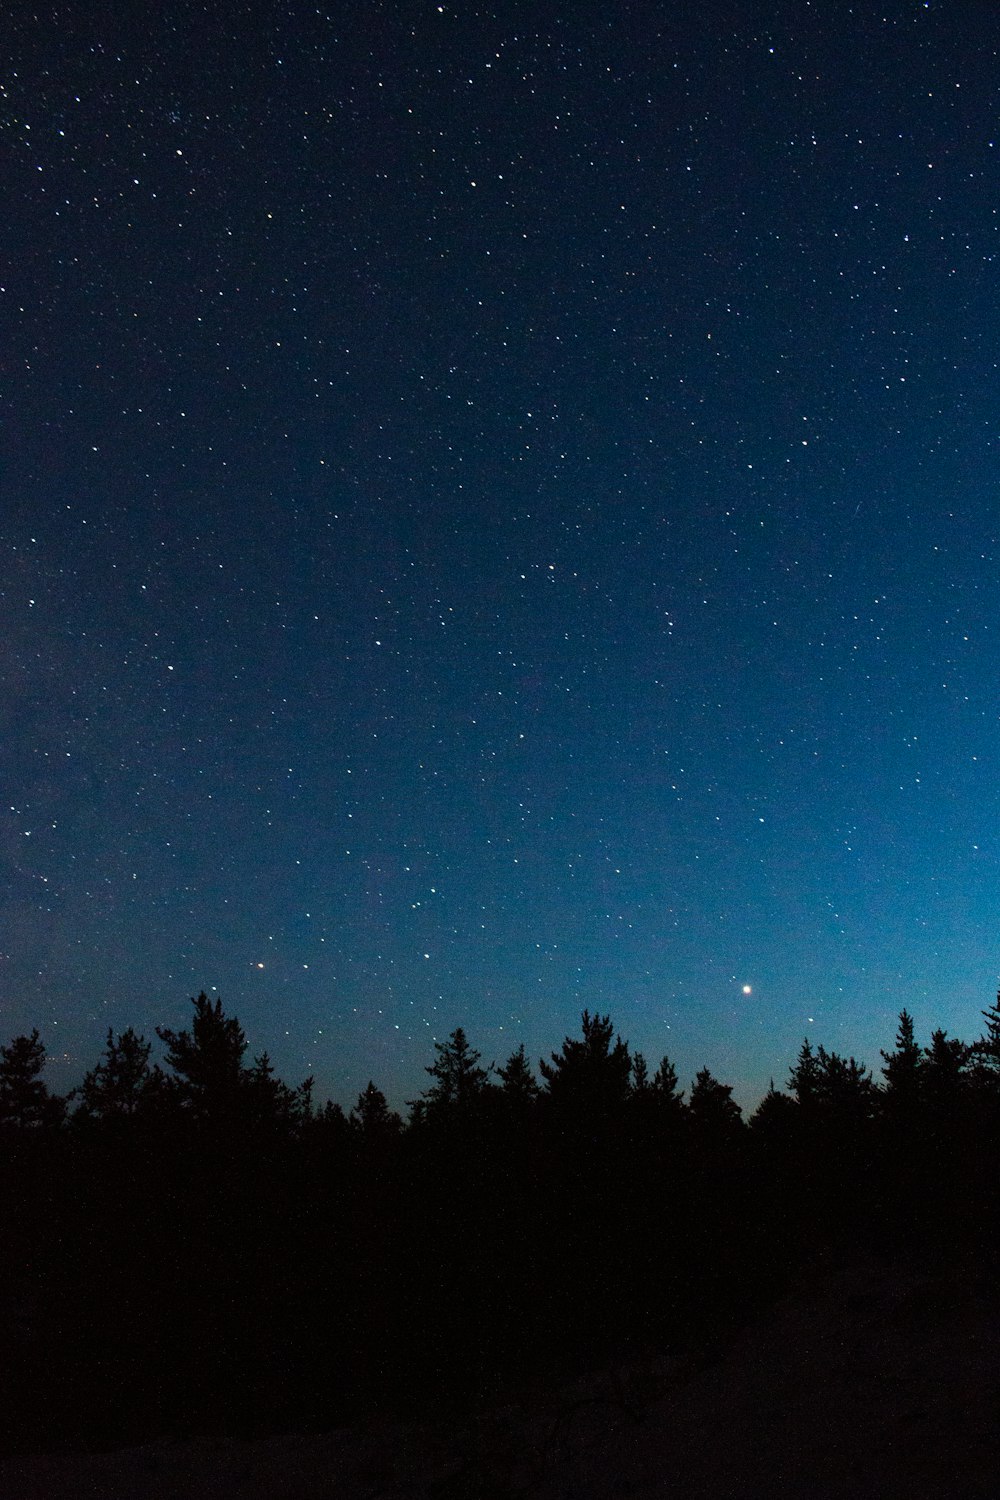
(865, 1380)
(207, 1287)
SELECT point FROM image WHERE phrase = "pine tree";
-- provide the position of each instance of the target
(207, 1060)
(372, 1121)
(654, 1102)
(986, 1050)
(25, 1101)
(122, 1083)
(846, 1088)
(664, 1088)
(805, 1078)
(517, 1082)
(831, 1088)
(460, 1084)
(776, 1117)
(712, 1108)
(270, 1103)
(590, 1076)
(328, 1128)
(904, 1068)
(640, 1086)
(946, 1063)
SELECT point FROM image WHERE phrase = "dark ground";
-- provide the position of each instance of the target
(863, 1382)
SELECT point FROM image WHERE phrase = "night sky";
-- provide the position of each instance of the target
(499, 516)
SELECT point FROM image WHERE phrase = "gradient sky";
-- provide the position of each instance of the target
(499, 516)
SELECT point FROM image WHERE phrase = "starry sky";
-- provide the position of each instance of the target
(499, 516)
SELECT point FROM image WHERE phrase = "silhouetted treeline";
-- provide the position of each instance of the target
(198, 1247)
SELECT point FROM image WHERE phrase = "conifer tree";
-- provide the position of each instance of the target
(590, 1075)
(517, 1082)
(640, 1085)
(846, 1087)
(946, 1063)
(459, 1081)
(269, 1102)
(25, 1101)
(371, 1118)
(987, 1049)
(207, 1061)
(776, 1117)
(712, 1107)
(664, 1088)
(655, 1102)
(804, 1079)
(122, 1082)
(903, 1069)
(829, 1087)
(329, 1128)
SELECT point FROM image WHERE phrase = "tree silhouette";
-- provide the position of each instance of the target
(846, 1086)
(207, 1061)
(664, 1090)
(329, 1128)
(829, 1087)
(372, 1121)
(270, 1103)
(985, 1052)
(776, 1117)
(805, 1079)
(459, 1082)
(946, 1063)
(903, 1070)
(655, 1105)
(507, 1225)
(25, 1101)
(712, 1108)
(517, 1082)
(640, 1084)
(122, 1083)
(590, 1077)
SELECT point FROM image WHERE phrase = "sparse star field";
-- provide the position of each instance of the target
(499, 516)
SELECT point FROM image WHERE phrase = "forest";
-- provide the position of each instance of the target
(199, 1248)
